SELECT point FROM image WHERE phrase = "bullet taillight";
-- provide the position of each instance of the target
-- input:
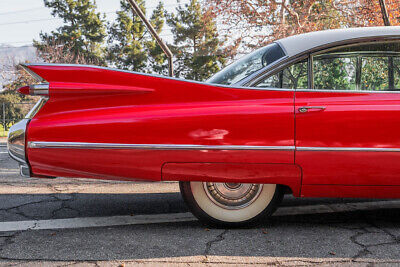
(35, 89)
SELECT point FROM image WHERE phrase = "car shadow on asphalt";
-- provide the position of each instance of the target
(70, 205)
(351, 235)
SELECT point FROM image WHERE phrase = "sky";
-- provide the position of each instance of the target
(21, 21)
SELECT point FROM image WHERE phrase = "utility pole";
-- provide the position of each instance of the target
(4, 117)
(135, 7)
(385, 16)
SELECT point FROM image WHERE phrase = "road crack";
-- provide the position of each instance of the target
(210, 243)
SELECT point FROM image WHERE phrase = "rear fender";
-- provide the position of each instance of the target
(284, 174)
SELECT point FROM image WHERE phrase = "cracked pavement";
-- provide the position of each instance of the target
(357, 237)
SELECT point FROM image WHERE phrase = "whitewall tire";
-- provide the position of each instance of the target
(231, 204)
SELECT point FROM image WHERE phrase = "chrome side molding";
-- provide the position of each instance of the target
(366, 149)
(79, 145)
(82, 145)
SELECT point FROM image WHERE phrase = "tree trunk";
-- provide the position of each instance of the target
(385, 16)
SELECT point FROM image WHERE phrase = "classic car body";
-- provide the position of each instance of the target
(319, 114)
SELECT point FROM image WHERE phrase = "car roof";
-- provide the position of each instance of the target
(301, 43)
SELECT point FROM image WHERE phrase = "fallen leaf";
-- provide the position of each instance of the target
(332, 253)
(264, 231)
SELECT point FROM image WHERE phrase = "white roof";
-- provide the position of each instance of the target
(303, 42)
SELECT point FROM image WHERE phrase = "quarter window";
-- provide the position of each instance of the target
(292, 77)
(273, 81)
(295, 76)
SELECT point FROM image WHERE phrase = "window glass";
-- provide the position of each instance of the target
(368, 67)
(293, 77)
(248, 64)
(396, 72)
(337, 73)
(296, 76)
(272, 81)
(374, 73)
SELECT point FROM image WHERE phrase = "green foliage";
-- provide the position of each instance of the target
(13, 111)
(157, 59)
(374, 73)
(335, 73)
(196, 43)
(129, 44)
(296, 76)
(131, 47)
(84, 30)
(10, 111)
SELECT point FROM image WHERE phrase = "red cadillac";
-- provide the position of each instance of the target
(317, 114)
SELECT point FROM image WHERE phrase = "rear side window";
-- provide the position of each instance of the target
(366, 67)
(335, 72)
(375, 73)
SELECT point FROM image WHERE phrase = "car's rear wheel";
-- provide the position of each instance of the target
(231, 204)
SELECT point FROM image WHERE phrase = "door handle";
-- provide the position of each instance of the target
(305, 109)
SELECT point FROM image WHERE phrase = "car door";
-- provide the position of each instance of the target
(348, 123)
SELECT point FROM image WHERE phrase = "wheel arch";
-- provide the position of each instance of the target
(288, 175)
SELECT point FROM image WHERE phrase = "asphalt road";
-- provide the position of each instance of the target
(84, 222)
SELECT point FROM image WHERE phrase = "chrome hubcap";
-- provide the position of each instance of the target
(232, 195)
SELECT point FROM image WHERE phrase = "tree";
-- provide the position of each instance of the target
(63, 53)
(13, 111)
(197, 46)
(11, 99)
(363, 13)
(255, 23)
(130, 45)
(157, 59)
(84, 30)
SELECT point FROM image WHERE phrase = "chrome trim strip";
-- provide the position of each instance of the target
(79, 145)
(347, 91)
(39, 89)
(24, 171)
(36, 108)
(366, 149)
(16, 141)
(32, 73)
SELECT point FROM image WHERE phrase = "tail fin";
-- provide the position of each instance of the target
(64, 79)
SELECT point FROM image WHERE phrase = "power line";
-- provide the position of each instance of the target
(45, 8)
(27, 21)
(5, 48)
(20, 11)
(50, 19)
